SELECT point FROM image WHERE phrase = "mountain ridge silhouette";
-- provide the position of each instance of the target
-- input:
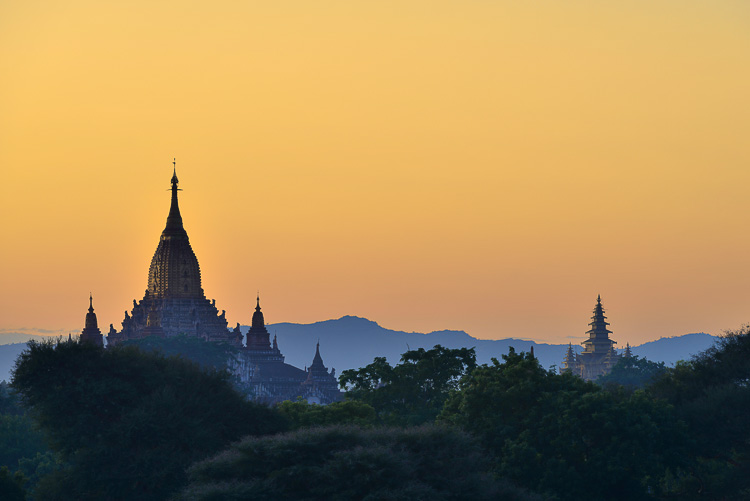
(351, 342)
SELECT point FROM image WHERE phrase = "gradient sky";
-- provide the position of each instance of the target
(489, 166)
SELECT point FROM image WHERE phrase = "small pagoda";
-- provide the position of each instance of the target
(598, 355)
(91, 333)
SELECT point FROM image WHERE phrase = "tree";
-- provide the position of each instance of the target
(562, 435)
(9, 404)
(711, 394)
(18, 439)
(300, 414)
(632, 373)
(343, 463)
(414, 391)
(11, 486)
(128, 423)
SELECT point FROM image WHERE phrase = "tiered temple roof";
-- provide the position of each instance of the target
(599, 355)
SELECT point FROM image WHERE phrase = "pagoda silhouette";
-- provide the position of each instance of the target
(599, 355)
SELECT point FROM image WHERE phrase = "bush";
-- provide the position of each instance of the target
(346, 463)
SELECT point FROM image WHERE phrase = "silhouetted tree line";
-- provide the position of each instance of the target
(80, 422)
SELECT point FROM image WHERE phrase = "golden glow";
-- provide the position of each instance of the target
(485, 166)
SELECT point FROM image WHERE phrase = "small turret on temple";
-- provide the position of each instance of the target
(570, 362)
(91, 332)
(321, 385)
(258, 337)
(628, 352)
(599, 355)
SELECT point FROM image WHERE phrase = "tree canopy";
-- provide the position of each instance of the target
(711, 394)
(301, 414)
(205, 354)
(414, 391)
(562, 435)
(345, 463)
(128, 423)
(633, 372)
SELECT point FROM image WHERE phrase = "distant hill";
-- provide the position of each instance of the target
(672, 349)
(352, 342)
(8, 355)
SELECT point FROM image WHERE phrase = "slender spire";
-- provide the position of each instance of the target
(258, 320)
(174, 219)
(91, 322)
(317, 362)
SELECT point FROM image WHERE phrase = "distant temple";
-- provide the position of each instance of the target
(174, 304)
(91, 332)
(599, 355)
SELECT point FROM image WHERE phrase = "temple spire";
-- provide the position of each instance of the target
(317, 359)
(174, 219)
(599, 323)
(91, 332)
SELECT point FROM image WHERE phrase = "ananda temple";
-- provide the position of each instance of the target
(174, 304)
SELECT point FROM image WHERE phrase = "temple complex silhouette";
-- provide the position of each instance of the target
(599, 355)
(174, 304)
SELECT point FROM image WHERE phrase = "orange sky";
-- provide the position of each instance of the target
(474, 165)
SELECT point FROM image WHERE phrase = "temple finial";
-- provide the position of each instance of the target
(91, 302)
(598, 298)
(174, 173)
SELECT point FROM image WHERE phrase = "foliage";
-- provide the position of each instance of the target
(711, 393)
(20, 443)
(562, 435)
(344, 463)
(11, 486)
(633, 372)
(36, 467)
(205, 354)
(300, 414)
(414, 391)
(9, 404)
(128, 423)
(18, 439)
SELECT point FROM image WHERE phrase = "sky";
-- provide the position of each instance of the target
(487, 166)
